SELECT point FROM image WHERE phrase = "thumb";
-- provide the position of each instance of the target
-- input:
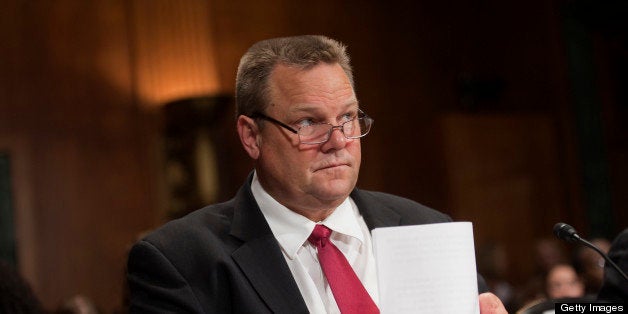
(491, 304)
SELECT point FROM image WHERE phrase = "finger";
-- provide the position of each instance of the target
(491, 304)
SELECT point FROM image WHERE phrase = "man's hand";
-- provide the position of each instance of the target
(491, 304)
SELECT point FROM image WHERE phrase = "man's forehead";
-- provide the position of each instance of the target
(307, 89)
(296, 71)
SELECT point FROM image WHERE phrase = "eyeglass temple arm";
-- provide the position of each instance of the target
(281, 124)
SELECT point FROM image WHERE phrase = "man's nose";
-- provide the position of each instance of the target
(337, 140)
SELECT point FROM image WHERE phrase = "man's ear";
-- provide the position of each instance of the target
(249, 133)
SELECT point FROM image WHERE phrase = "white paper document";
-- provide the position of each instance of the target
(426, 269)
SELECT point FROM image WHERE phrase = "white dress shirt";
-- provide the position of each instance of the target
(349, 233)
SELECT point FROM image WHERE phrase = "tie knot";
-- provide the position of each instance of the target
(320, 235)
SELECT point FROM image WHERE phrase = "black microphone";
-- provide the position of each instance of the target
(566, 232)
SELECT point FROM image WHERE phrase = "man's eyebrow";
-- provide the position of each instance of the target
(353, 103)
(314, 108)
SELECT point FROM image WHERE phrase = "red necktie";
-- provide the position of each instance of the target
(348, 291)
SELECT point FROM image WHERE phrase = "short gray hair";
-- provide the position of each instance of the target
(259, 61)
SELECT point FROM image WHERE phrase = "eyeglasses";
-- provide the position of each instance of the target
(318, 133)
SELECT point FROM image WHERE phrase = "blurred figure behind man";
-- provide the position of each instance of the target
(16, 296)
(562, 281)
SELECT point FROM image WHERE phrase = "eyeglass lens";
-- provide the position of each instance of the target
(318, 133)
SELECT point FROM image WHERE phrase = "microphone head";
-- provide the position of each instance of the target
(566, 232)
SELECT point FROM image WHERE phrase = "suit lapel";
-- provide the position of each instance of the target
(260, 257)
(376, 214)
(266, 269)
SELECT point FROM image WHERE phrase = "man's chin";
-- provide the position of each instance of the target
(333, 189)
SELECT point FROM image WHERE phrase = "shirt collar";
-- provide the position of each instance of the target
(292, 230)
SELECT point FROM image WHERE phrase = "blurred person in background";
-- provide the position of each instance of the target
(78, 304)
(548, 252)
(16, 296)
(563, 282)
(493, 264)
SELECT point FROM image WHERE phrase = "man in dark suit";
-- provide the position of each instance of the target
(299, 119)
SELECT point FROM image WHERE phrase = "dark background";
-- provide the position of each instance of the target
(512, 115)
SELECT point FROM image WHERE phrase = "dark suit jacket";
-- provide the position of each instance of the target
(224, 258)
(615, 287)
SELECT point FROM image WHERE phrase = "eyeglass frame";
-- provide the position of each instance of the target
(259, 115)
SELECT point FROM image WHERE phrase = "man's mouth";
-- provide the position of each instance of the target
(331, 166)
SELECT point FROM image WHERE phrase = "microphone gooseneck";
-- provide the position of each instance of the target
(568, 233)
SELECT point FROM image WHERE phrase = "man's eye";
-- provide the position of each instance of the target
(305, 122)
(347, 117)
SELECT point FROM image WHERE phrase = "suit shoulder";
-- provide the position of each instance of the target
(411, 211)
(202, 225)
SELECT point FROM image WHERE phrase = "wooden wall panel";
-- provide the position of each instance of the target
(69, 96)
(504, 175)
(173, 50)
(81, 84)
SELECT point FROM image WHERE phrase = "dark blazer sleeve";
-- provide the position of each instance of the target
(615, 287)
(157, 285)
